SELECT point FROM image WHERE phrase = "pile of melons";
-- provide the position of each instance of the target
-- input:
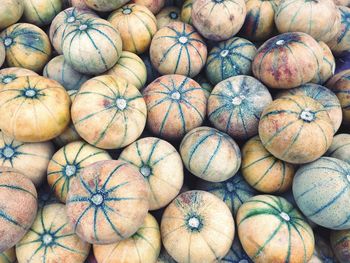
(192, 131)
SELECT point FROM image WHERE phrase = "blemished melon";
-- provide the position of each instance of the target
(11, 11)
(153, 5)
(340, 147)
(105, 5)
(340, 242)
(8, 75)
(327, 68)
(41, 12)
(8, 256)
(167, 15)
(97, 192)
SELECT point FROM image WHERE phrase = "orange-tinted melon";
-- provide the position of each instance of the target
(41, 12)
(105, 5)
(167, 15)
(10, 12)
(326, 71)
(153, 5)
(8, 75)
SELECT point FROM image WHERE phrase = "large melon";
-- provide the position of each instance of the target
(10, 12)
(8, 75)
(340, 147)
(167, 15)
(41, 12)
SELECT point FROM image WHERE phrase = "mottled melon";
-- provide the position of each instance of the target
(167, 15)
(10, 12)
(8, 75)
(2, 54)
(41, 12)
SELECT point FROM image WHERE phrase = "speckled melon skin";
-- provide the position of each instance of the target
(296, 129)
(142, 247)
(98, 190)
(197, 219)
(34, 109)
(8, 256)
(210, 154)
(327, 69)
(167, 15)
(153, 5)
(218, 20)
(340, 147)
(105, 5)
(27, 46)
(340, 242)
(18, 202)
(288, 60)
(186, 12)
(283, 234)
(235, 106)
(10, 12)
(41, 12)
(321, 190)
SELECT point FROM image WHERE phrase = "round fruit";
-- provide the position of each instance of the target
(175, 104)
(34, 109)
(18, 206)
(340, 242)
(296, 129)
(168, 15)
(107, 202)
(52, 239)
(186, 12)
(27, 46)
(178, 49)
(108, 112)
(143, 246)
(288, 60)
(77, 3)
(235, 106)
(41, 12)
(11, 11)
(341, 42)
(219, 19)
(153, 5)
(105, 5)
(197, 219)
(327, 67)
(283, 234)
(8, 75)
(340, 147)
(8, 256)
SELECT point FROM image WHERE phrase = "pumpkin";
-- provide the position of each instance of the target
(41, 12)
(143, 246)
(18, 206)
(130, 67)
(324, 96)
(202, 80)
(178, 49)
(287, 60)
(340, 147)
(323, 251)
(100, 38)
(296, 129)
(58, 69)
(197, 219)
(97, 192)
(234, 191)
(27, 46)
(230, 58)
(175, 105)
(153, 5)
(327, 67)
(283, 234)
(315, 18)
(8, 75)
(8, 256)
(51, 239)
(263, 171)
(108, 112)
(210, 154)
(321, 191)
(61, 25)
(259, 23)
(29, 158)
(2, 54)
(235, 106)
(219, 19)
(341, 42)
(340, 85)
(152, 73)
(340, 242)
(161, 166)
(67, 162)
(105, 5)
(11, 11)
(236, 254)
(167, 15)
(136, 24)
(186, 12)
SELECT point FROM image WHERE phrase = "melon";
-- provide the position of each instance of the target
(2, 54)
(235, 106)
(236, 254)
(18, 206)
(161, 166)
(11, 11)
(105, 5)
(219, 19)
(167, 15)
(296, 129)
(130, 67)
(321, 190)
(186, 12)
(327, 67)
(153, 5)
(342, 2)
(100, 190)
(272, 230)
(230, 58)
(34, 109)
(27, 46)
(8, 256)
(8, 75)
(340, 242)
(178, 49)
(175, 104)
(67, 162)
(141, 247)
(288, 60)
(41, 12)
(210, 154)
(197, 219)
(263, 171)
(340, 147)
(99, 37)
(108, 112)
(202, 80)
(77, 3)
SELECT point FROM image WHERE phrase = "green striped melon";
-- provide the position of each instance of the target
(340, 147)
(230, 58)
(321, 190)
(272, 230)
(130, 67)
(100, 38)
(41, 12)
(236, 254)
(18, 206)
(8, 256)
(153, 5)
(108, 112)
(52, 239)
(11, 11)
(186, 12)
(340, 242)
(143, 246)
(105, 5)
(167, 15)
(27, 46)
(178, 49)
(67, 162)
(107, 202)
(327, 68)
(210, 154)
(175, 105)
(8, 75)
